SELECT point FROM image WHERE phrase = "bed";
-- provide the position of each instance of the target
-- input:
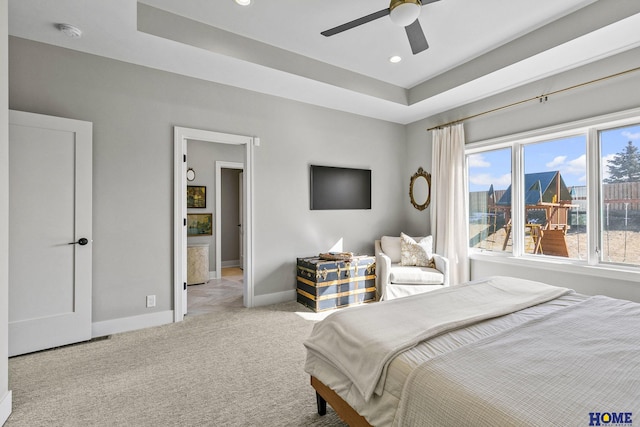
(498, 351)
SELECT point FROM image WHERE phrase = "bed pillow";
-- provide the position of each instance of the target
(416, 253)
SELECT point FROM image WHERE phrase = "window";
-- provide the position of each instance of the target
(569, 191)
(620, 164)
(489, 177)
(554, 173)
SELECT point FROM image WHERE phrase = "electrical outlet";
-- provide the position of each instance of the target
(151, 301)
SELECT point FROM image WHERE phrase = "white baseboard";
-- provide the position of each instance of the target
(5, 407)
(231, 263)
(126, 324)
(274, 298)
(213, 275)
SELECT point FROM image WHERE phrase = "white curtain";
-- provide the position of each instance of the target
(449, 201)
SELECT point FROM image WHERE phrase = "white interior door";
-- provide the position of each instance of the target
(50, 172)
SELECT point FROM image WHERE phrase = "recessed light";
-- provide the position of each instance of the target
(70, 30)
(395, 59)
(243, 2)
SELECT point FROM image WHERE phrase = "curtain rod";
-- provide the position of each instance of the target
(541, 98)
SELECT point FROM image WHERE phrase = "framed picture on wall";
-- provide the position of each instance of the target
(199, 224)
(196, 196)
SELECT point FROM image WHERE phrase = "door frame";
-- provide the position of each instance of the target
(219, 166)
(180, 137)
(241, 216)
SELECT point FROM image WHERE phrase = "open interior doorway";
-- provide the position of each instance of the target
(223, 285)
(229, 209)
(199, 219)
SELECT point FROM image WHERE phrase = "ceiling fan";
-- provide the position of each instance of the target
(403, 13)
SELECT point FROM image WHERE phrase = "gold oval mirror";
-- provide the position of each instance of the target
(420, 189)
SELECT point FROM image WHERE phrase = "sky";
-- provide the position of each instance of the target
(568, 155)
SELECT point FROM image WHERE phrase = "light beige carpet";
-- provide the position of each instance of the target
(235, 367)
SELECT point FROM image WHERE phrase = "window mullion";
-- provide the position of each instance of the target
(517, 200)
(594, 198)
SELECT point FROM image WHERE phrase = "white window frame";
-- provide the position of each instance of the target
(590, 128)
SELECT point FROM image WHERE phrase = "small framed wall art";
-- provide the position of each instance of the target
(196, 196)
(199, 224)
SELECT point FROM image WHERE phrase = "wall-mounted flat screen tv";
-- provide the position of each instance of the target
(340, 188)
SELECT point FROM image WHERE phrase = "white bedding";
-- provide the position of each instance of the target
(362, 341)
(558, 369)
(381, 410)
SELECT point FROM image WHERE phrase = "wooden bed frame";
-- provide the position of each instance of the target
(325, 395)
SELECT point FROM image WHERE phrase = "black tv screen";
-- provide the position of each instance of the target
(340, 188)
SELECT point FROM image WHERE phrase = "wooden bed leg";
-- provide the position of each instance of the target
(322, 404)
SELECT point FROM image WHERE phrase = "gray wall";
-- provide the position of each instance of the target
(419, 155)
(609, 96)
(5, 399)
(134, 109)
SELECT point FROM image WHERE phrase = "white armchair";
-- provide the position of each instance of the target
(394, 280)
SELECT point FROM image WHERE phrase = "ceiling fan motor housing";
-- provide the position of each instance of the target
(404, 12)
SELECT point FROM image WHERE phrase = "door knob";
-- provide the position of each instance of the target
(82, 241)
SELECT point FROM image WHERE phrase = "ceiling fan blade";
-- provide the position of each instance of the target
(426, 2)
(355, 23)
(417, 40)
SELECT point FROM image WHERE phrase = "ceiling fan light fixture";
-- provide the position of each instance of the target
(243, 2)
(404, 12)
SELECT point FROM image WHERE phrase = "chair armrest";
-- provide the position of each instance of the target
(442, 265)
(383, 269)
